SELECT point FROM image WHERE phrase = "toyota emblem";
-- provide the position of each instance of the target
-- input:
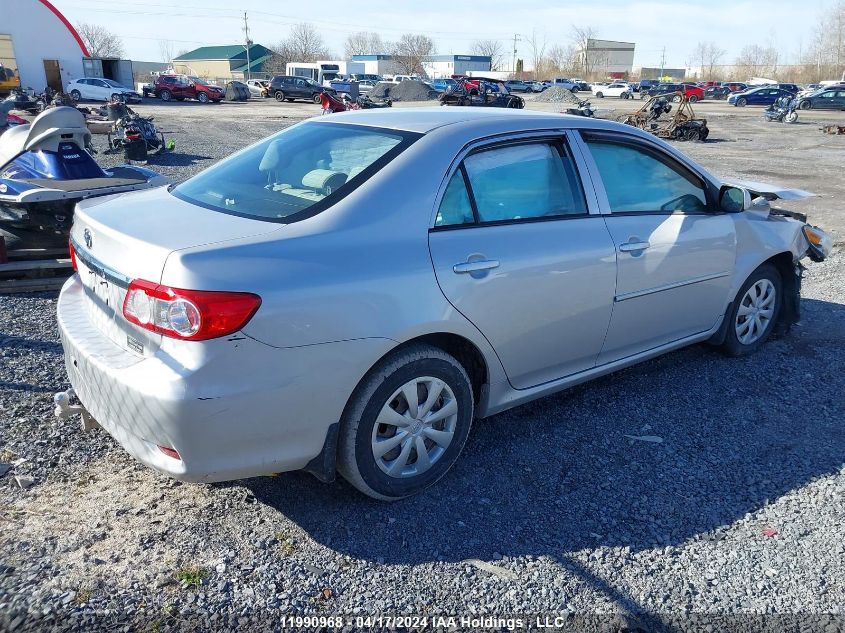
(89, 240)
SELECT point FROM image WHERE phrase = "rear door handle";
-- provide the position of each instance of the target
(475, 266)
(633, 247)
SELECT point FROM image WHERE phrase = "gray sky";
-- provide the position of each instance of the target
(454, 24)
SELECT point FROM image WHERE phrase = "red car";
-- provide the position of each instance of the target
(693, 92)
(181, 87)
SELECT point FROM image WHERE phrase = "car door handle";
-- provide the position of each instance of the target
(633, 247)
(475, 266)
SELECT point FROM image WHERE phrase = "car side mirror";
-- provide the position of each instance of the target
(734, 199)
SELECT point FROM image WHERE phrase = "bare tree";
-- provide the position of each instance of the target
(706, 56)
(714, 56)
(364, 43)
(537, 44)
(411, 51)
(494, 49)
(588, 61)
(167, 50)
(305, 44)
(754, 60)
(562, 59)
(99, 41)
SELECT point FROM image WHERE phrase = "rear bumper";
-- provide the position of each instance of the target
(242, 409)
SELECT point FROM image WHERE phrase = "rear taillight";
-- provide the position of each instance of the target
(192, 315)
(72, 252)
(170, 452)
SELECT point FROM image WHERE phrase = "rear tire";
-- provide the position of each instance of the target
(316, 98)
(693, 99)
(754, 311)
(806, 105)
(381, 412)
(279, 95)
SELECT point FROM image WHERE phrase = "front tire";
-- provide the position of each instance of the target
(165, 95)
(75, 95)
(316, 98)
(754, 312)
(741, 102)
(806, 105)
(202, 98)
(600, 95)
(406, 423)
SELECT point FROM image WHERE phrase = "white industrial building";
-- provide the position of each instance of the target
(435, 66)
(438, 66)
(38, 46)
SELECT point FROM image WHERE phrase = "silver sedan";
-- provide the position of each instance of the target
(349, 294)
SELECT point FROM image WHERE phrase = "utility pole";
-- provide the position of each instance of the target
(662, 62)
(248, 45)
(516, 39)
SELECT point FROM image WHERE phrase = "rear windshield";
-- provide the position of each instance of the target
(296, 173)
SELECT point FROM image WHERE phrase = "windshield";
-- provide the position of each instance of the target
(113, 84)
(296, 173)
(311, 82)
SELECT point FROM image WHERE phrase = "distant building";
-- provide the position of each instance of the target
(378, 64)
(223, 62)
(448, 65)
(675, 74)
(607, 58)
(434, 67)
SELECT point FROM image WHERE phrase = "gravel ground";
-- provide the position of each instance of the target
(737, 511)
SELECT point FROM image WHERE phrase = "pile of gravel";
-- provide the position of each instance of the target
(556, 94)
(403, 91)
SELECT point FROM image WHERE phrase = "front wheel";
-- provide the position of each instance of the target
(754, 312)
(676, 99)
(165, 95)
(741, 102)
(202, 97)
(75, 95)
(316, 98)
(806, 105)
(406, 423)
(792, 117)
(600, 95)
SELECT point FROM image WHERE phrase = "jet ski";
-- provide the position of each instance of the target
(46, 167)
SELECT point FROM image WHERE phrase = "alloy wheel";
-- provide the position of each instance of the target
(755, 313)
(414, 427)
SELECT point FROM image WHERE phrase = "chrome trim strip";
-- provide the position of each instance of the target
(677, 284)
(92, 263)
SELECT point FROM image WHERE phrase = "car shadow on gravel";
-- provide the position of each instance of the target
(561, 474)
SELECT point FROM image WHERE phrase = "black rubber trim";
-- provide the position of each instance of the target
(324, 465)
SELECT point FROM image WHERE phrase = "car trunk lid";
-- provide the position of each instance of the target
(118, 239)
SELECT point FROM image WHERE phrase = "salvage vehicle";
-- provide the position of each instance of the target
(481, 92)
(682, 125)
(824, 99)
(693, 93)
(618, 89)
(45, 169)
(349, 294)
(290, 87)
(96, 89)
(758, 96)
(181, 87)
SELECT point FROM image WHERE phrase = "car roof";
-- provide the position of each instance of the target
(424, 120)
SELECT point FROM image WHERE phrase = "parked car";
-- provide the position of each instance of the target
(278, 323)
(824, 99)
(618, 89)
(536, 86)
(443, 84)
(96, 89)
(365, 85)
(568, 84)
(717, 92)
(757, 96)
(515, 85)
(258, 87)
(290, 88)
(793, 88)
(181, 87)
(647, 84)
(736, 86)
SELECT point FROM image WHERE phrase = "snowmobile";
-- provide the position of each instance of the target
(46, 167)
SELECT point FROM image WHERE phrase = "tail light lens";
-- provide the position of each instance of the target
(72, 252)
(192, 315)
